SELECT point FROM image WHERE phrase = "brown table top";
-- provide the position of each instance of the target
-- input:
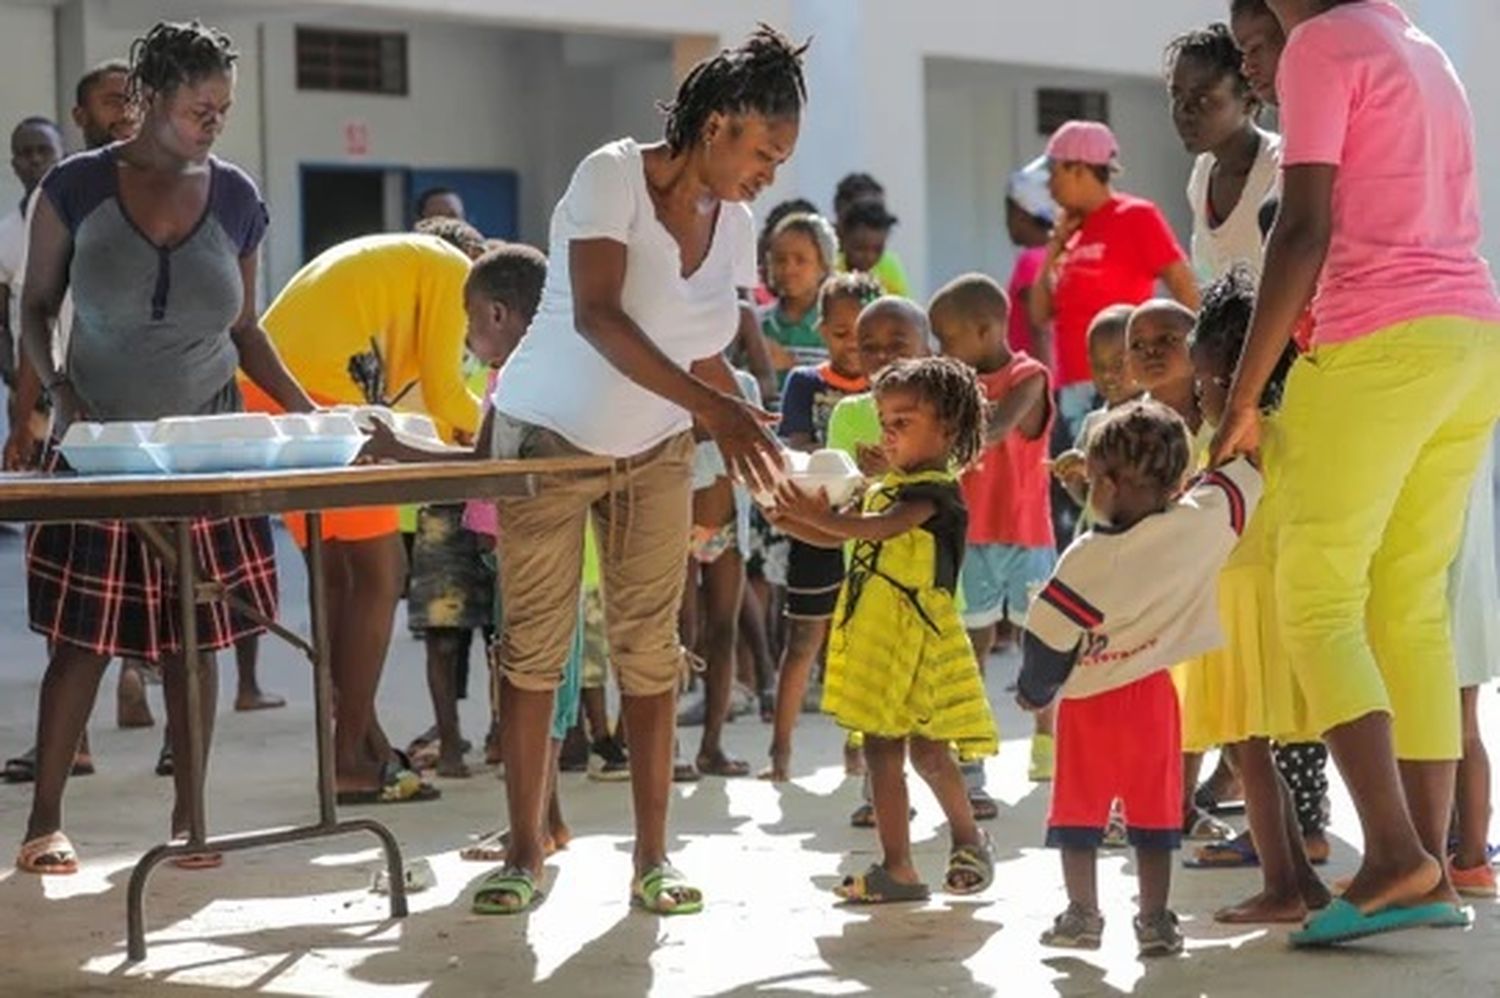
(37, 497)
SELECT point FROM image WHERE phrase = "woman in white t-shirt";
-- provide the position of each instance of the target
(1238, 168)
(649, 246)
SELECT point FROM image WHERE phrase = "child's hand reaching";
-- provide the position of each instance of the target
(1071, 469)
(871, 460)
(795, 504)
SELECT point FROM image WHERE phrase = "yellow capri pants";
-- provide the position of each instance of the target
(1383, 436)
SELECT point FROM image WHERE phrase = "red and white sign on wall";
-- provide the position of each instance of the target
(356, 138)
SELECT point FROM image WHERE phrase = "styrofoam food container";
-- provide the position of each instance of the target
(335, 451)
(108, 449)
(205, 457)
(234, 427)
(832, 471)
(317, 424)
(414, 425)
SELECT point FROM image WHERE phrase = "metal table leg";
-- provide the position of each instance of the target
(328, 824)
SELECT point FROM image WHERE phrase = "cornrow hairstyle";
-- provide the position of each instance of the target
(763, 75)
(460, 235)
(952, 388)
(174, 53)
(1214, 47)
(1145, 442)
(818, 229)
(867, 213)
(1224, 325)
(856, 286)
(88, 81)
(512, 274)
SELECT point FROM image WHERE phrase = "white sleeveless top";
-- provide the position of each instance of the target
(1237, 239)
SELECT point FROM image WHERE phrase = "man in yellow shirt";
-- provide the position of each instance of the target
(375, 320)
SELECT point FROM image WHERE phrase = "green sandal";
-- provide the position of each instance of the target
(662, 890)
(978, 861)
(510, 880)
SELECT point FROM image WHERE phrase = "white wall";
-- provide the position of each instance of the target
(891, 40)
(981, 124)
(1470, 31)
(458, 114)
(29, 84)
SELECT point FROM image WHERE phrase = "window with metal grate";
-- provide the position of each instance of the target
(1055, 106)
(364, 62)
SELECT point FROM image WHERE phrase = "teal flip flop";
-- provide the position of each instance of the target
(1342, 922)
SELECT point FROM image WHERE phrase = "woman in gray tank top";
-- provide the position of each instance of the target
(157, 241)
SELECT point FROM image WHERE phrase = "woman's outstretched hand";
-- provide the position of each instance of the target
(742, 433)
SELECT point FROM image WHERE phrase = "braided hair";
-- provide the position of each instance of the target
(763, 75)
(952, 388)
(1224, 325)
(1214, 47)
(855, 286)
(174, 53)
(1145, 442)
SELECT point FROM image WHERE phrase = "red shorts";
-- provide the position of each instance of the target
(1125, 744)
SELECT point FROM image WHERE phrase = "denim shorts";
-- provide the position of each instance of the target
(997, 580)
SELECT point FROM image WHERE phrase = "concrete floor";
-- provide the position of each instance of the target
(300, 920)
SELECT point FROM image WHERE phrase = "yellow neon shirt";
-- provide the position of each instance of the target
(401, 295)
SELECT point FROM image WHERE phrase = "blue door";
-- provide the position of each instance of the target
(490, 197)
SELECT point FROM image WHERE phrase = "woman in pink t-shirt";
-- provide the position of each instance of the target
(1385, 420)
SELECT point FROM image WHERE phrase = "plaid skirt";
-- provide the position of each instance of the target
(98, 587)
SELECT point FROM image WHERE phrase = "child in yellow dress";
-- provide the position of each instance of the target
(900, 666)
(1245, 695)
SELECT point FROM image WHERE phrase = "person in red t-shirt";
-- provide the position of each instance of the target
(1011, 545)
(1107, 249)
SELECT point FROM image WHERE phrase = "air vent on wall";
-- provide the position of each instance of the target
(1056, 105)
(362, 62)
